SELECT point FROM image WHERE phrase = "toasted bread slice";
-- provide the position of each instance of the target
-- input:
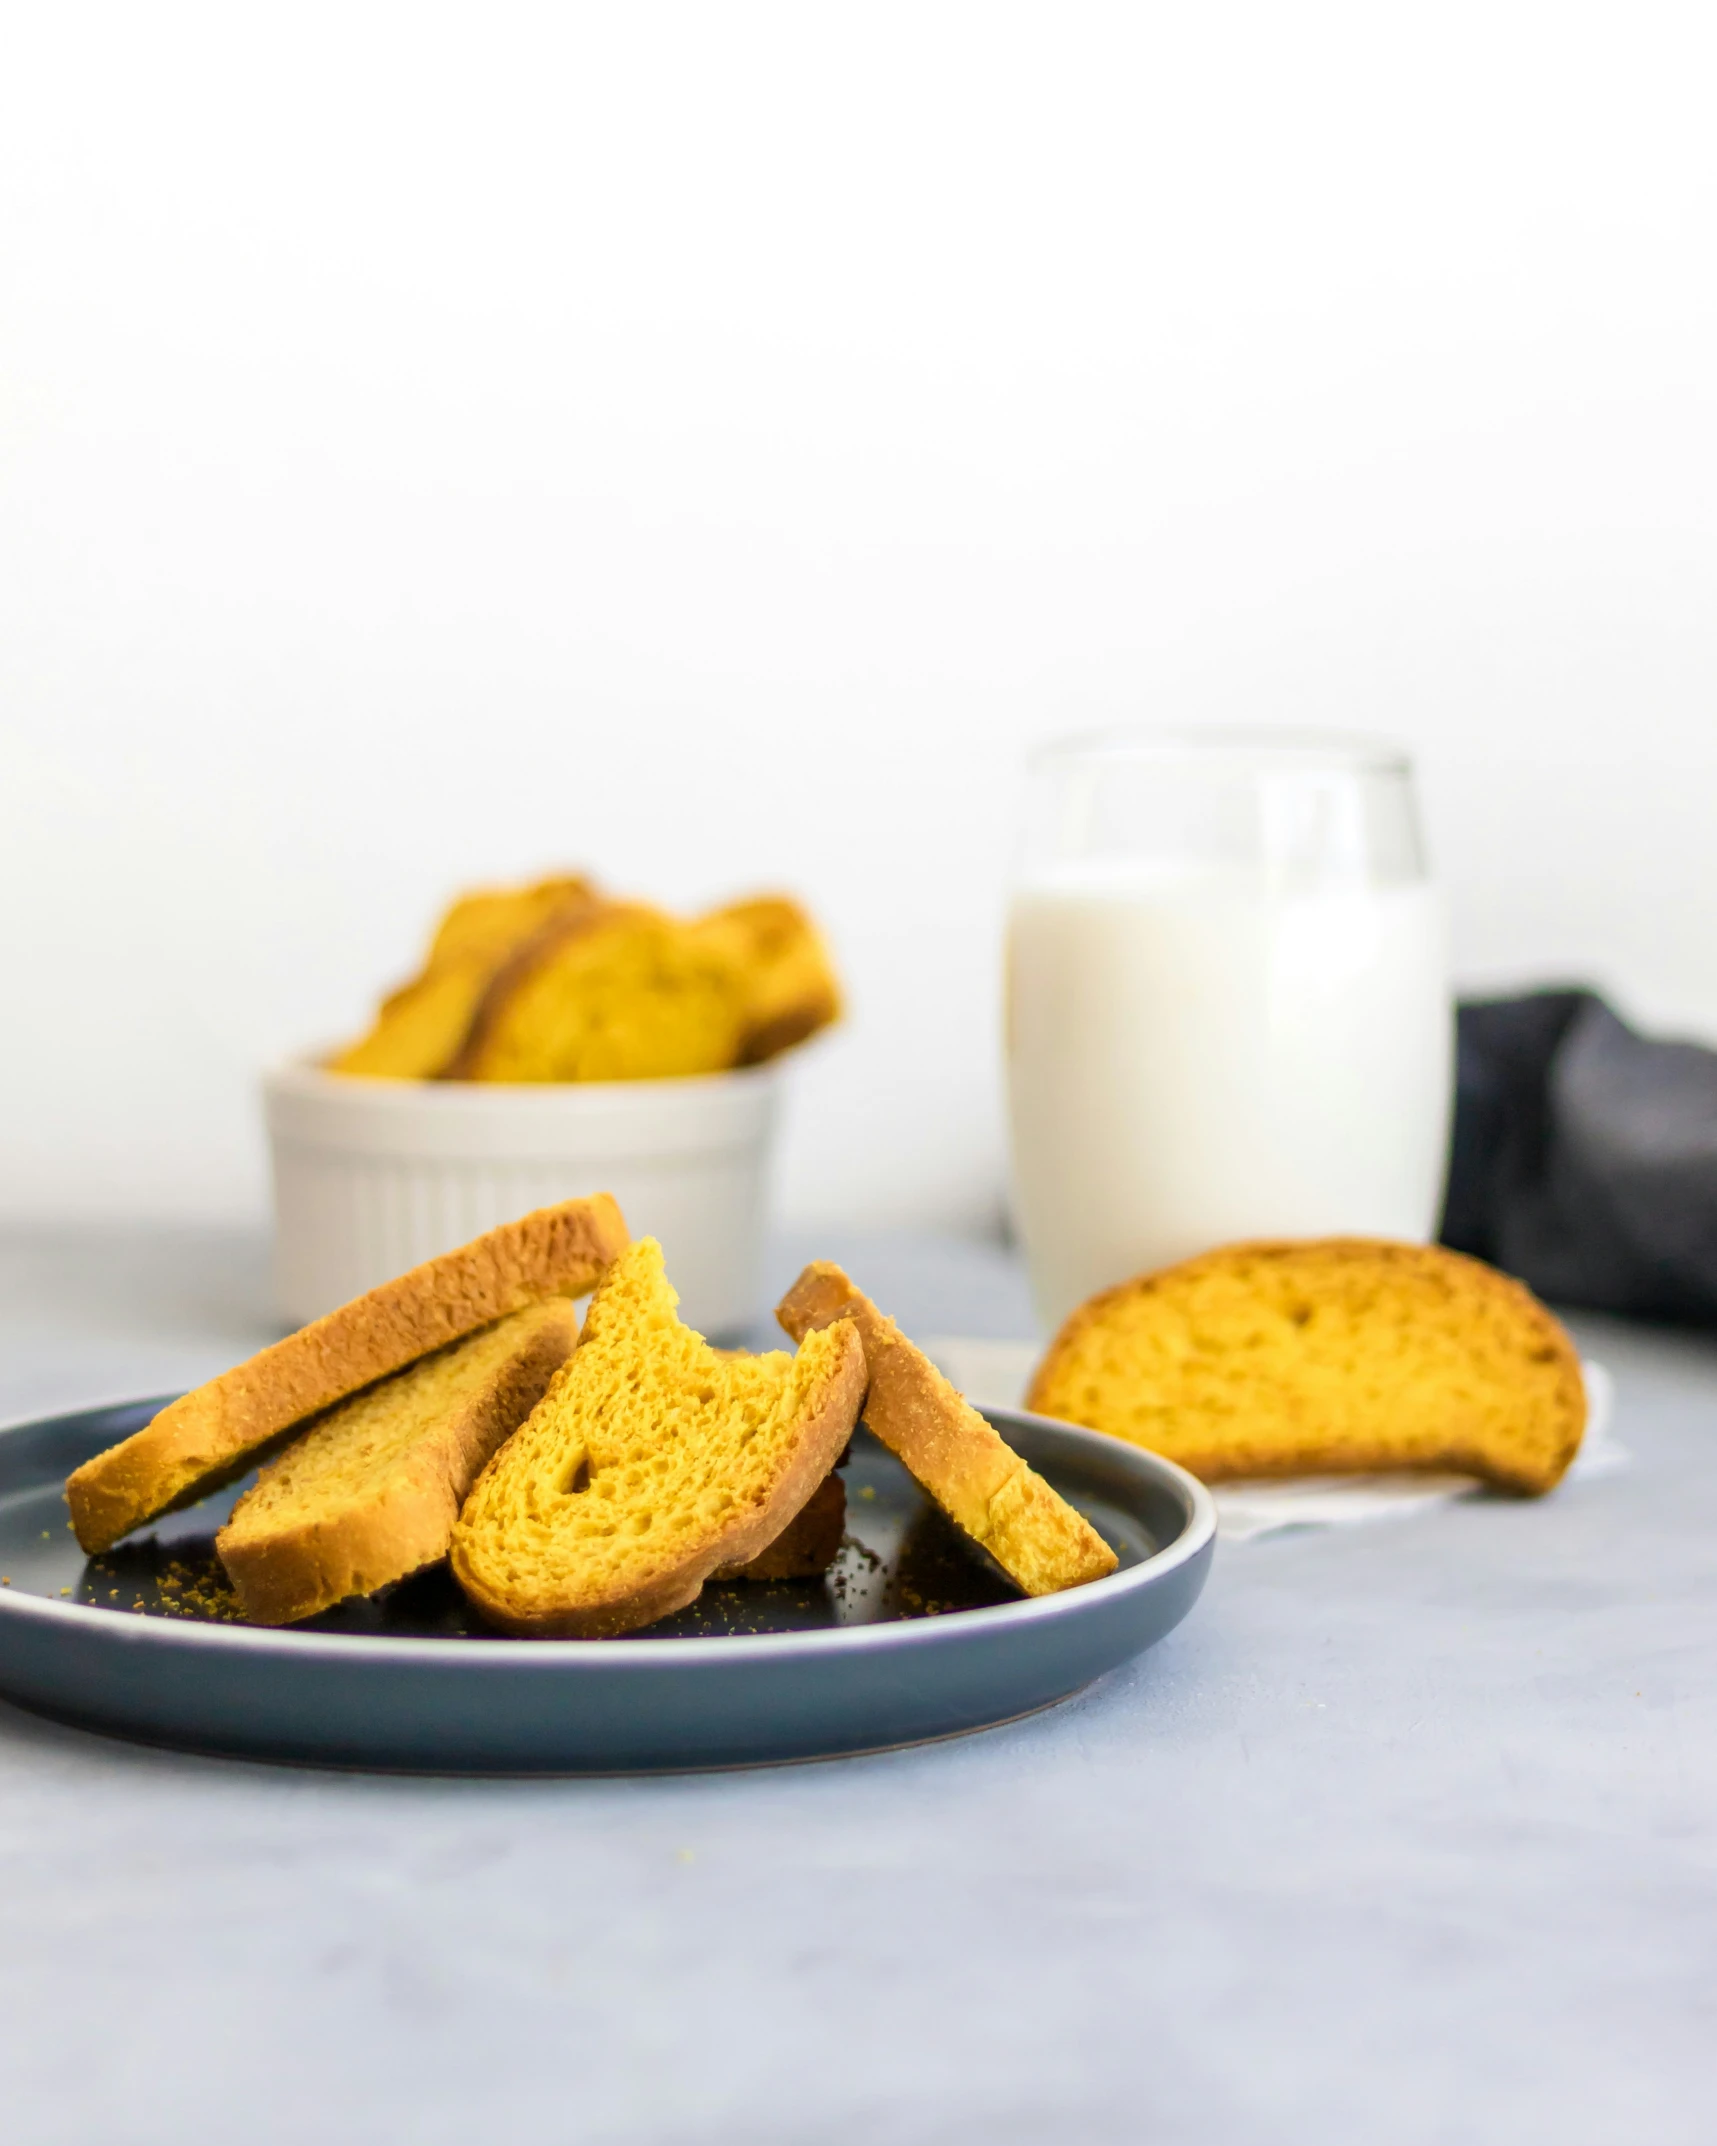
(979, 1481)
(209, 1437)
(789, 982)
(490, 921)
(422, 1026)
(807, 1545)
(810, 1542)
(370, 1492)
(1321, 1357)
(620, 992)
(651, 1462)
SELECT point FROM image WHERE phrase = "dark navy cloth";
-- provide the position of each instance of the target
(1584, 1157)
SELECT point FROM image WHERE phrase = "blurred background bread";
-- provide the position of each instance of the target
(557, 982)
(421, 1026)
(557, 1041)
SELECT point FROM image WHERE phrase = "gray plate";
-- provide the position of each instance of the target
(913, 1635)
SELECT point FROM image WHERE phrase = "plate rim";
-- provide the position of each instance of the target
(540, 1656)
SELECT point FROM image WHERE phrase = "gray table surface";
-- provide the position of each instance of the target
(1408, 1835)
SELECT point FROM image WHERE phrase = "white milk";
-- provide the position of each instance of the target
(1193, 1059)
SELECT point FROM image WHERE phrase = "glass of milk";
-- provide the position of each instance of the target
(1228, 1008)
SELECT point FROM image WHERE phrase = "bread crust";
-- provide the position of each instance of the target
(792, 989)
(445, 1023)
(806, 1546)
(827, 1414)
(776, 1009)
(421, 1026)
(284, 1574)
(785, 1031)
(212, 1435)
(575, 922)
(976, 1477)
(1215, 1457)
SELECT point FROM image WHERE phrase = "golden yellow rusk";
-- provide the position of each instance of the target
(368, 1494)
(1325, 1356)
(652, 1463)
(965, 1464)
(421, 1026)
(621, 993)
(556, 982)
(789, 984)
(213, 1435)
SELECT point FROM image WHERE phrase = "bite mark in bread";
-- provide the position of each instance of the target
(652, 1462)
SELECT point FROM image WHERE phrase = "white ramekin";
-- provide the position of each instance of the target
(372, 1176)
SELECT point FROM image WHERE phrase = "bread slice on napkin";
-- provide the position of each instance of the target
(976, 1477)
(213, 1435)
(369, 1493)
(1325, 1356)
(652, 1462)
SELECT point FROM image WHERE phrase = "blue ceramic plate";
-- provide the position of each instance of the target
(912, 1635)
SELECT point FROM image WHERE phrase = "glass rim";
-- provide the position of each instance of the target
(1285, 747)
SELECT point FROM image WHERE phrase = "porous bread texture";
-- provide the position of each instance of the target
(652, 1462)
(789, 985)
(421, 1026)
(810, 1542)
(209, 1437)
(964, 1463)
(370, 1491)
(1324, 1357)
(624, 992)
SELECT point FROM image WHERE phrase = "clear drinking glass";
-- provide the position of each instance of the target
(1228, 1007)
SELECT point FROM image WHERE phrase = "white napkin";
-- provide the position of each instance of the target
(994, 1374)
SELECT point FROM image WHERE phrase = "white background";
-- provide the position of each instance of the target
(711, 444)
